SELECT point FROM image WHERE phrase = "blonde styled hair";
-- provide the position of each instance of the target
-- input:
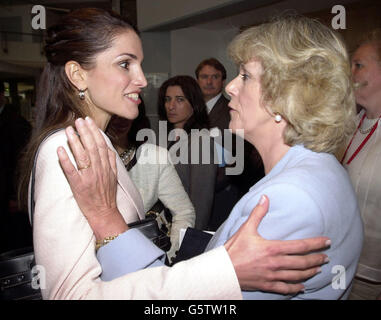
(306, 79)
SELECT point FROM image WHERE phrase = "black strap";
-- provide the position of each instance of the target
(32, 204)
(157, 207)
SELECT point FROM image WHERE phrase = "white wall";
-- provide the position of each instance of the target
(192, 45)
(154, 13)
(157, 61)
(179, 52)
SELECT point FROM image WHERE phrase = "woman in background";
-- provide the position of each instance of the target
(181, 103)
(362, 159)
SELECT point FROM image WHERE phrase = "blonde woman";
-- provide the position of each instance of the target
(293, 98)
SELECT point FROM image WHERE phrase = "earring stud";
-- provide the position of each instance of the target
(278, 118)
(81, 94)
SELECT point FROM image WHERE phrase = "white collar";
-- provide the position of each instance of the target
(210, 104)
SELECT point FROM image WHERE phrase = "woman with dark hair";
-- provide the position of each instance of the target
(94, 69)
(198, 117)
(181, 103)
(155, 176)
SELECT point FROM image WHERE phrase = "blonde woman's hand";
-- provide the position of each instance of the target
(94, 184)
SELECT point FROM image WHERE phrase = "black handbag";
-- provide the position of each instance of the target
(18, 277)
(161, 213)
(150, 229)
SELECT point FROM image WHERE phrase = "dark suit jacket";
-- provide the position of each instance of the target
(229, 189)
(198, 179)
(219, 116)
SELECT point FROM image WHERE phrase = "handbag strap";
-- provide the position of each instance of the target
(157, 207)
(32, 203)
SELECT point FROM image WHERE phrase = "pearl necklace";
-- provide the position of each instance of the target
(366, 131)
(127, 155)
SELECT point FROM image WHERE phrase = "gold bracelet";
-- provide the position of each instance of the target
(104, 241)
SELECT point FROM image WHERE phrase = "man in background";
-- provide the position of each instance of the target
(211, 76)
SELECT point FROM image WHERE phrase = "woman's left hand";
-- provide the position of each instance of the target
(94, 184)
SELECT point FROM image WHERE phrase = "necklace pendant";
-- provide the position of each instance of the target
(127, 155)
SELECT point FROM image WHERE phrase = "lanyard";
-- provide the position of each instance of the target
(362, 143)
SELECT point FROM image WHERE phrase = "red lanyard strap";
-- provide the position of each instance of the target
(362, 143)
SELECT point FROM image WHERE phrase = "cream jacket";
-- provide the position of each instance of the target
(65, 246)
(364, 171)
(156, 178)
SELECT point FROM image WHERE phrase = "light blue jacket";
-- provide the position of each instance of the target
(310, 195)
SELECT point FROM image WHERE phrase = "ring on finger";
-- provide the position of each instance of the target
(84, 167)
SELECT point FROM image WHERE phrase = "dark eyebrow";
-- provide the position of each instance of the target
(175, 97)
(209, 74)
(130, 55)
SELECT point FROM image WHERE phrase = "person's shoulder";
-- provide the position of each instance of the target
(51, 142)
(149, 153)
(315, 175)
(46, 157)
(223, 102)
(310, 162)
(151, 149)
(54, 137)
(223, 99)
